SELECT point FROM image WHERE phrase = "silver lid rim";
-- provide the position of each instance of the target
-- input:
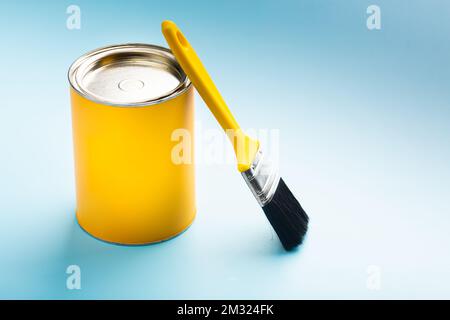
(184, 85)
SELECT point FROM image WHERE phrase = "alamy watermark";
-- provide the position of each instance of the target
(73, 281)
(373, 21)
(73, 21)
(373, 281)
(213, 146)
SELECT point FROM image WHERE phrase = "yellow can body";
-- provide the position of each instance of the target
(128, 188)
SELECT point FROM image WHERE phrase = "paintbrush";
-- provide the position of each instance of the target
(282, 209)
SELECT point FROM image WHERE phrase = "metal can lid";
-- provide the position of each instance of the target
(128, 75)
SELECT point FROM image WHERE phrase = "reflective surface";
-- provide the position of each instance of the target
(128, 75)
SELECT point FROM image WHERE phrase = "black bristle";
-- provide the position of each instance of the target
(287, 217)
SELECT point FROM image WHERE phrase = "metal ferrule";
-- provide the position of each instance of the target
(262, 178)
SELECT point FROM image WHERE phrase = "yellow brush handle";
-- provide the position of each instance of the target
(245, 148)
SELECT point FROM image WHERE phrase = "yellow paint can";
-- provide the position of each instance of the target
(127, 101)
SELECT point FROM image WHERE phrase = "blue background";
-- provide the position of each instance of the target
(364, 129)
